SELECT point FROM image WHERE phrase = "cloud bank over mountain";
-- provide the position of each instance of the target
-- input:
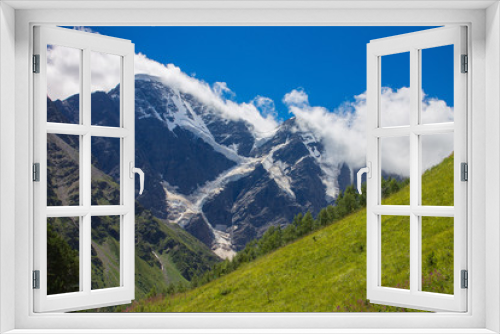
(64, 68)
(342, 130)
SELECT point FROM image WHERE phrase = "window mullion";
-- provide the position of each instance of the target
(414, 172)
(87, 173)
(419, 165)
(81, 229)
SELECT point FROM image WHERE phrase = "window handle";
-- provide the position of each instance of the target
(368, 171)
(139, 171)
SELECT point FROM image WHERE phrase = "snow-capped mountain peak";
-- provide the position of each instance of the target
(219, 177)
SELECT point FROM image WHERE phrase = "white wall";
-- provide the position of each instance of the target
(7, 162)
(492, 163)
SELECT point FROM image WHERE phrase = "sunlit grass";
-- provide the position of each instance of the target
(326, 270)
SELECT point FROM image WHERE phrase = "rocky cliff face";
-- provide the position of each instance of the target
(216, 177)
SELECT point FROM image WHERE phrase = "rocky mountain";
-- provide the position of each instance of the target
(165, 253)
(217, 177)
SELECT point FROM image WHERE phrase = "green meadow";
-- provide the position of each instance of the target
(325, 270)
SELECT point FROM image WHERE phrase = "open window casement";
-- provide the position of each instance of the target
(70, 193)
(419, 211)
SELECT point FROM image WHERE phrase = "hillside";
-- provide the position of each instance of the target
(165, 253)
(326, 270)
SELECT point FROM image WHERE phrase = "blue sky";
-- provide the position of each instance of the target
(328, 63)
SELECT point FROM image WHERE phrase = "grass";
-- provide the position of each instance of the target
(326, 270)
(172, 274)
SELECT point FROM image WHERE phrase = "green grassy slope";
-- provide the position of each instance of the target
(326, 270)
(178, 254)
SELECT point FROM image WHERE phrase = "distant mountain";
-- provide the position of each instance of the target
(218, 178)
(165, 253)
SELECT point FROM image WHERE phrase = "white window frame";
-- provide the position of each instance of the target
(414, 43)
(85, 298)
(484, 103)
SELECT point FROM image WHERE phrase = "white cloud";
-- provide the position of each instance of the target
(63, 72)
(85, 29)
(436, 111)
(222, 90)
(63, 75)
(105, 71)
(395, 107)
(172, 76)
(343, 132)
(296, 97)
(265, 106)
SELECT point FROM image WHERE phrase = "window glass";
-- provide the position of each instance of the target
(105, 252)
(106, 170)
(63, 84)
(63, 170)
(63, 250)
(437, 254)
(105, 86)
(395, 251)
(395, 170)
(437, 163)
(437, 85)
(395, 92)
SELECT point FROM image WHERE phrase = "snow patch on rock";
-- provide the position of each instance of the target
(278, 170)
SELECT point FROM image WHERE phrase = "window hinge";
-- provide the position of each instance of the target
(464, 171)
(465, 279)
(465, 64)
(36, 172)
(36, 63)
(36, 279)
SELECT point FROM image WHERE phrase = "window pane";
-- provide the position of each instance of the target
(395, 170)
(63, 170)
(395, 92)
(105, 80)
(437, 254)
(63, 249)
(105, 252)
(437, 169)
(437, 85)
(63, 84)
(396, 251)
(105, 171)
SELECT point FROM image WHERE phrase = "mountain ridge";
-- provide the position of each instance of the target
(199, 162)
